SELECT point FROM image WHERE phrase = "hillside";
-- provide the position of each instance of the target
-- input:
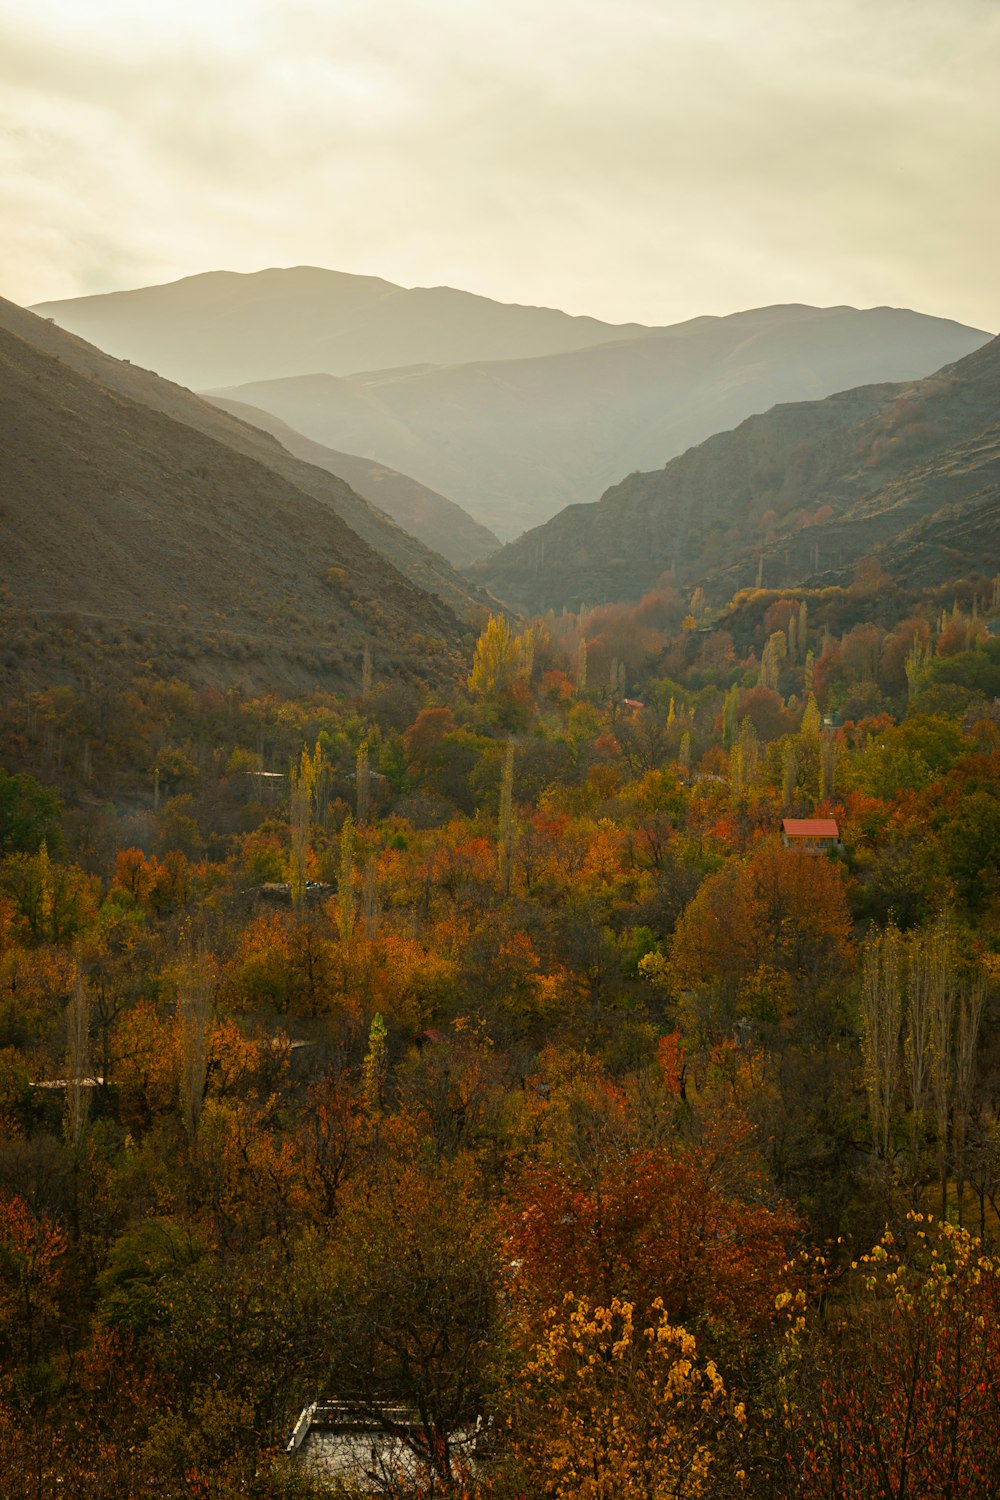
(434, 520)
(222, 327)
(425, 568)
(804, 489)
(513, 442)
(117, 518)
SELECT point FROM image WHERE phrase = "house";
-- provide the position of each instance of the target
(811, 835)
(374, 1450)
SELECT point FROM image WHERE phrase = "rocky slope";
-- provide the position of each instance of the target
(803, 490)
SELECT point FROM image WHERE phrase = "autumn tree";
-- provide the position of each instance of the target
(881, 1031)
(892, 1390)
(611, 1401)
(773, 912)
(413, 1306)
(651, 1223)
(505, 830)
(29, 815)
(499, 658)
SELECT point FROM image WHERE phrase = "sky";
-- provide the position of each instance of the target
(638, 160)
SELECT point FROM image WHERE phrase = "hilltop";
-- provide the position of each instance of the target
(224, 327)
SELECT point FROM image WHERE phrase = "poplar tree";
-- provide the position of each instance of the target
(789, 774)
(345, 882)
(77, 1061)
(375, 1066)
(194, 1001)
(362, 783)
(303, 778)
(881, 1025)
(505, 830)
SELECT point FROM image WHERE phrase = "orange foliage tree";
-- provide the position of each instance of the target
(654, 1223)
(774, 912)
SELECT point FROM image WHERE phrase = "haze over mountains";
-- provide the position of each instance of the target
(124, 498)
(430, 517)
(907, 471)
(224, 327)
(510, 412)
(425, 568)
(515, 441)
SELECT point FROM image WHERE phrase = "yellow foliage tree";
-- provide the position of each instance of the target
(606, 1409)
(501, 657)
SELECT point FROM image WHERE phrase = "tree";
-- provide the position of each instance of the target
(375, 1066)
(881, 1022)
(345, 883)
(77, 1062)
(413, 1306)
(946, 1011)
(499, 658)
(194, 1004)
(32, 1272)
(775, 909)
(892, 1391)
(505, 833)
(304, 779)
(611, 1402)
(651, 1223)
(29, 815)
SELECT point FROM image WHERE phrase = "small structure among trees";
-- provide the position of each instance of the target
(811, 835)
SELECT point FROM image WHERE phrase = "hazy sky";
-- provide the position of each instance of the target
(634, 159)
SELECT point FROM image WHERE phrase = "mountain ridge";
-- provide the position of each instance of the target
(514, 441)
(425, 568)
(749, 505)
(351, 322)
(115, 511)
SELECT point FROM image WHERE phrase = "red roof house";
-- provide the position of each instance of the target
(811, 835)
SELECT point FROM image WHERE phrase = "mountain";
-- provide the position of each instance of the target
(425, 568)
(123, 528)
(902, 470)
(223, 328)
(514, 441)
(437, 522)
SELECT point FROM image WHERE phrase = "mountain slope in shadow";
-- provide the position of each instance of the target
(804, 489)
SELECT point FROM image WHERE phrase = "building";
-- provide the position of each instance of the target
(811, 835)
(374, 1452)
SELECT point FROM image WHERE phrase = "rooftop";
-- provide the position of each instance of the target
(810, 828)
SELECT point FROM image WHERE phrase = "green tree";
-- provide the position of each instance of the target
(29, 815)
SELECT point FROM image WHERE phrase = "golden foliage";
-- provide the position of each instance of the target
(611, 1409)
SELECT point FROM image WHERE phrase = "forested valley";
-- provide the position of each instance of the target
(487, 1061)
